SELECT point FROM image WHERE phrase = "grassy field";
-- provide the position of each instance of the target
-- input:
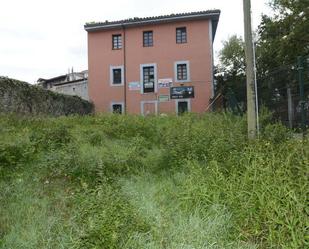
(113, 181)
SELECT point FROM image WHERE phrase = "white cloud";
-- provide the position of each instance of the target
(44, 38)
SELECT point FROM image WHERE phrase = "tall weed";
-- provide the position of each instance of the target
(152, 182)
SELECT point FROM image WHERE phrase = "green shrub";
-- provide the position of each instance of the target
(107, 219)
(202, 139)
(265, 117)
(15, 151)
(123, 127)
(276, 133)
(95, 138)
(265, 191)
(54, 137)
(14, 154)
(115, 158)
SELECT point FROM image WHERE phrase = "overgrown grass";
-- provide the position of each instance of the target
(157, 200)
(115, 181)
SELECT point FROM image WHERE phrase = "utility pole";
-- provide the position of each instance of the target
(251, 94)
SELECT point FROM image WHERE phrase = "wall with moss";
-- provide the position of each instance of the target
(23, 98)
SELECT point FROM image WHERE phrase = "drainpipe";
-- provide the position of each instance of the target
(124, 69)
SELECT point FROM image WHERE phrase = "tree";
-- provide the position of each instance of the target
(230, 72)
(232, 56)
(283, 36)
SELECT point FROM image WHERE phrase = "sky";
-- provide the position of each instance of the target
(43, 38)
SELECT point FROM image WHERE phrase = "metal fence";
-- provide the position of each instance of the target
(285, 91)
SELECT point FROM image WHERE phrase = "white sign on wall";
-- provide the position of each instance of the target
(134, 86)
(165, 83)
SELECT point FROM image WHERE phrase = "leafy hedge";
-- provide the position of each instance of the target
(23, 98)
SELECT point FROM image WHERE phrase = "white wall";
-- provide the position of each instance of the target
(79, 88)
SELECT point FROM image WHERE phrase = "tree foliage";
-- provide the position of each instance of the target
(232, 56)
(281, 38)
(284, 35)
(230, 72)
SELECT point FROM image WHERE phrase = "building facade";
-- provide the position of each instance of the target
(152, 65)
(73, 83)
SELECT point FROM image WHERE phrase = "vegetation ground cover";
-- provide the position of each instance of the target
(114, 181)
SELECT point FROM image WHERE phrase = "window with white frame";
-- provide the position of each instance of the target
(117, 108)
(148, 78)
(116, 75)
(182, 71)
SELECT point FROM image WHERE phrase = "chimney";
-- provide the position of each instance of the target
(73, 76)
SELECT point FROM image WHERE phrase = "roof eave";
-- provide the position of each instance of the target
(214, 16)
(70, 82)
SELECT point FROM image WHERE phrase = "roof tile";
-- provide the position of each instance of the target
(136, 20)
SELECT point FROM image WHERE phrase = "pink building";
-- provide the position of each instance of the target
(152, 65)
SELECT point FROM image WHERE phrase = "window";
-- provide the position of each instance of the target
(181, 35)
(116, 75)
(117, 108)
(148, 79)
(117, 41)
(182, 71)
(147, 38)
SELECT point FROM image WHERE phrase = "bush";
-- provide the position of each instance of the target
(24, 99)
(115, 158)
(107, 219)
(123, 127)
(54, 137)
(14, 154)
(202, 139)
(265, 190)
(276, 133)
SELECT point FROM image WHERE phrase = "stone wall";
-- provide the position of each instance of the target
(22, 98)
